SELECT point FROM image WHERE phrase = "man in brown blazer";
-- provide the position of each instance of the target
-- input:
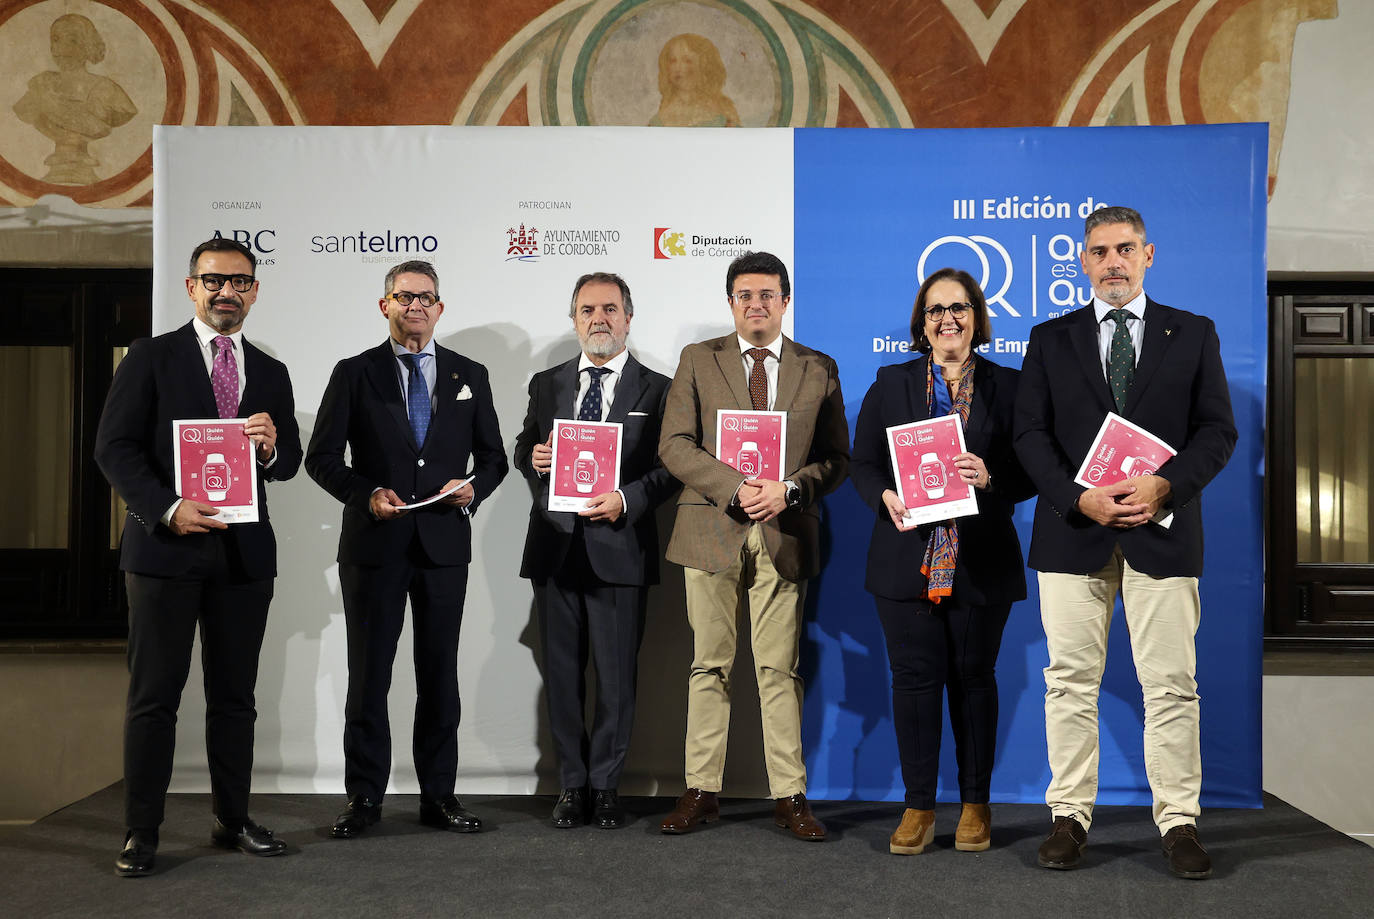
(734, 532)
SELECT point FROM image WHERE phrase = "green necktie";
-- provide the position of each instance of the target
(1120, 359)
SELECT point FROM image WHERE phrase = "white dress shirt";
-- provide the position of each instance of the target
(615, 365)
(427, 368)
(770, 364)
(1106, 327)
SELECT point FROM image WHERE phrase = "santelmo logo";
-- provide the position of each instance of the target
(668, 243)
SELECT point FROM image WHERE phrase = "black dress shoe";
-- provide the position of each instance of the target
(571, 809)
(248, 837)
(607, 810)
(1063, 849)
(1187, 857)
(360, 814)
(136, 860)
(448, 814)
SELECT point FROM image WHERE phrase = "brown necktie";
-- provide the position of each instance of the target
(758, 380)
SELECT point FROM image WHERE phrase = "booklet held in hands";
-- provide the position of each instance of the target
(586, 462)
(215, 465)
(752, 443)
(1123, 450)
(923, 467)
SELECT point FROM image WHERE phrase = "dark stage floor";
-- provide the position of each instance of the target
(1271, 862)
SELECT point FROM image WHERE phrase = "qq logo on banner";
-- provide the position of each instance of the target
(985, 274)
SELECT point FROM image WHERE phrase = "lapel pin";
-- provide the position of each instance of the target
(454, 376)
(1168, 331)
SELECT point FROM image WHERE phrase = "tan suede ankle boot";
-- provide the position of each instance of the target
(916, 832)
(975, 828)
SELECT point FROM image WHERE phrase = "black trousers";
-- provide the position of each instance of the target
(933, 648)
(579, 614)
(374, 609)
(231, 612)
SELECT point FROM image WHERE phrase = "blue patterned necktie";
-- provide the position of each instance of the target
(591, 402)
(417, 397)
(1120, 359)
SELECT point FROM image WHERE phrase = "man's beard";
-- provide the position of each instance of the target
(222, 322)
(607, 345)
(1115, 295)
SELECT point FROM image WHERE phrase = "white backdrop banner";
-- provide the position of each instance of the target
(511, 218)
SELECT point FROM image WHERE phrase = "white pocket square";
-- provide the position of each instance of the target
(463, 393)
(637, 414)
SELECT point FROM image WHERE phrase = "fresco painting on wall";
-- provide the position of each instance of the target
(83, 81)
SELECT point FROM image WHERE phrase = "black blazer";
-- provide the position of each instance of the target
(1179, 394)
(990, 568)
(162, 380)
(363, 408)
(624, 552)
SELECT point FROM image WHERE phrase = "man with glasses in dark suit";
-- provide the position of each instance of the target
(413, 415)
(183, 567)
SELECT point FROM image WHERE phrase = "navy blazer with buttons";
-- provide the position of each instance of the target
(1179, 394)
(990, 568)
(364, 409)
(161, 380)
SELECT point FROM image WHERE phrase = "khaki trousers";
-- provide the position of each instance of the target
(1162, 615)
(775, 611)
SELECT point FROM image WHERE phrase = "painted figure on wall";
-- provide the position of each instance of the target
(691, 81)
(72, 106)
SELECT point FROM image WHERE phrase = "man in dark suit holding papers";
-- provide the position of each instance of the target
(183, 567)
(591, 569)
(412, 415)
(738, 532)
(1161, 369)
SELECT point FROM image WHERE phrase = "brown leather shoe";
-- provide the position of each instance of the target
(1187, 857)
(975, 828)
(794, 814)
(916, 831)
(695, 807)
(1063, 848)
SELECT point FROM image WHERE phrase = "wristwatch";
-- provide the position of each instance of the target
(793, 493)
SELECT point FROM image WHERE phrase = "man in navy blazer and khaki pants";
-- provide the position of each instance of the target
(412, 414)
(182, 567)
(591, 570)
(1160, 368)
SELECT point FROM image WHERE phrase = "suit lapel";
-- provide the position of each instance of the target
(980, 412)
(252, 373)
(1083, 332)
(447, 383)
(626, 391)
(1159, 331)
(565, 391)
(194, 369)
(731, 364)
(917, 409)
(381, 373)
(791, 369)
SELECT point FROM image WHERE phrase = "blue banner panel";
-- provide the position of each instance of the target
(876, 212)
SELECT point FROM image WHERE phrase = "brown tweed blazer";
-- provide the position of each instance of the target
(709, 531)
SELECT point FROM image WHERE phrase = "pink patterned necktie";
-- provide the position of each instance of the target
(224, 377)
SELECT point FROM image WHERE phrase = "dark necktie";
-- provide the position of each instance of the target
(417, 397)
(224, 377)
(1120, 359)
(591, 402)
(758, 379)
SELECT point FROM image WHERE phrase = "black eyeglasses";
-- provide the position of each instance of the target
(957, 310)
(405, 298)
(240, 282)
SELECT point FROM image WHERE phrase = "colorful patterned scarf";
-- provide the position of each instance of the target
(942, 549)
